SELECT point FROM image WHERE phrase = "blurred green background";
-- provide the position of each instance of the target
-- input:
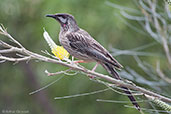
(25, 20)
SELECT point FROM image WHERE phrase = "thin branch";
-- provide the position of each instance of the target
(161, 74)
(147, 109)
(38, 90)
(15, 59)
(47, 53)
(7, 50)
(117, 52)
(113, 101)
(155, 24)
(4, 32)
(83, 94)
(130, 25)
(112, 86)
(131, 17)
(160, 30)
(134, 51)
(168, 10)
(57, 73)
(121, 7)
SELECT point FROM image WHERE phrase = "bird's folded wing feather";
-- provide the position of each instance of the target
(85, 44)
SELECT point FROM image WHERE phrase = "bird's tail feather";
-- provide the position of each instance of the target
(115, 75)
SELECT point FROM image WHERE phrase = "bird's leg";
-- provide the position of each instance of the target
(80, 61)
(72, 58)
(94, 68)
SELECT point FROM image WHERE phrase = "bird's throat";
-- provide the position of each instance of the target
(65, 27)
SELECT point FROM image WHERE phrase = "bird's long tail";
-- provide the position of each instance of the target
(115, 75)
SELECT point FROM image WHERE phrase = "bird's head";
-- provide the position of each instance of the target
(66, 21)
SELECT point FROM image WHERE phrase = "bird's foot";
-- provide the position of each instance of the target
(91, 76)
(94, 68)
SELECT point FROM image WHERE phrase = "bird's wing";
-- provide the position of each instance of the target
(106, 53)
(85, 44)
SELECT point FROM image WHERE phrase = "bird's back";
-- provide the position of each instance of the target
(84, 41)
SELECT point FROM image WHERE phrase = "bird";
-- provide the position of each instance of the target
(81, 45)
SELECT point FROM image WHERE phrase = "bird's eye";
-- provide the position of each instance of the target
(62, 19)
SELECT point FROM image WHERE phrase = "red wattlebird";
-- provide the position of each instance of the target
(82, 46)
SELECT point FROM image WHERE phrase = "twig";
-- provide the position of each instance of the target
(146, 109)
(47, 53)
(57, 73)
(7, 50)
(113, 101)
(83, 94)
(15, 59)
(121, 7)
(131, 17)
(160, 103)
(38, 90)
(112, 86)
(161, 74)
(4, 32)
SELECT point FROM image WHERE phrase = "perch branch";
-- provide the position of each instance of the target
(27, 55)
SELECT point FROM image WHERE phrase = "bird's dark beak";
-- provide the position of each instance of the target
(51, 15)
